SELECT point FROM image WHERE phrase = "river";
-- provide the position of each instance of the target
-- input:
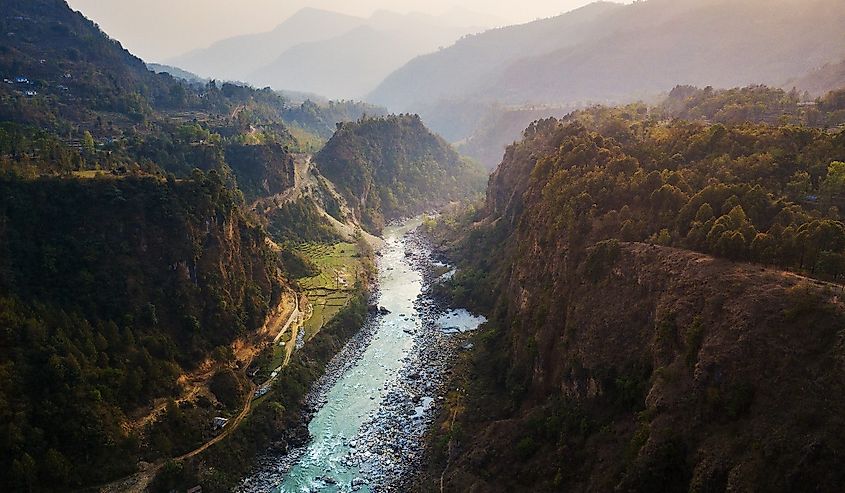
(379, 394)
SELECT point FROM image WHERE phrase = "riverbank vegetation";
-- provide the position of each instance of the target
(277, 422)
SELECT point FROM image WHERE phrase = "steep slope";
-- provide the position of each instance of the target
(261, 170)
(391, 167)
(455, 72)
(135, 284)
(111, 289)
(621, 53)
(630, 358)
(50, 50)
(235, 58)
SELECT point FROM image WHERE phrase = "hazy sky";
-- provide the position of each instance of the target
(158, 29)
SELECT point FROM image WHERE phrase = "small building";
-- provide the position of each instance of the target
(219, 423)
(22, 80)
(30, 94)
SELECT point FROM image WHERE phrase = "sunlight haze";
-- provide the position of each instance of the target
(160, 29)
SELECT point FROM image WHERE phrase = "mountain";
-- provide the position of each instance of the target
(679, 324)
(609, 52)
(235, 58)
(393, 167)
(334, 55)
(351, 65)
(501, 128)
(830, 77)
(456, 71)
(110, 291)
(52, 51)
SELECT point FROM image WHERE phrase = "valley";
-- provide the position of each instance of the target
(375, 402)
(598, 251)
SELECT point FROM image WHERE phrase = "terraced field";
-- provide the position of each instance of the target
(340, 268)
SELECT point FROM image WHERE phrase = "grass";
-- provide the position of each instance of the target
(330, 290)
(326, 294)
(93, 174)
(278, 358)
(308, 141)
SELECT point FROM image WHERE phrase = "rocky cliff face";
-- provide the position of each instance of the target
(661, 370)
(623, 366)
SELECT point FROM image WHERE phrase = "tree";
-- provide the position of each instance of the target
(833, 185)
(799, 186)
(764, 248)
(88, 144)
(731, 245)
(705, 213)
(24, 473)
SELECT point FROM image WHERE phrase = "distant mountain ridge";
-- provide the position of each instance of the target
(337, 55)
(345, 67)
(607, 52)
(234, 58)
(830, 77)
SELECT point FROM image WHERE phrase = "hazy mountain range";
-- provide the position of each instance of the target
(608, 52)
(336, 55)
(821, 80)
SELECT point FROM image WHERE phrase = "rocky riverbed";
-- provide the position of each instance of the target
(379, 395)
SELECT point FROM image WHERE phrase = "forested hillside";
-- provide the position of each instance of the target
(679, 327)
(111, 290)
(62, 60)
(130, 267)
(760, 104)
(321, 118)
(393, 167)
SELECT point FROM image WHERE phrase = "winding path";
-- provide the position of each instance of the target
(138, 482)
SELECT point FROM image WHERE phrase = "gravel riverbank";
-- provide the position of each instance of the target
(388, 447)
